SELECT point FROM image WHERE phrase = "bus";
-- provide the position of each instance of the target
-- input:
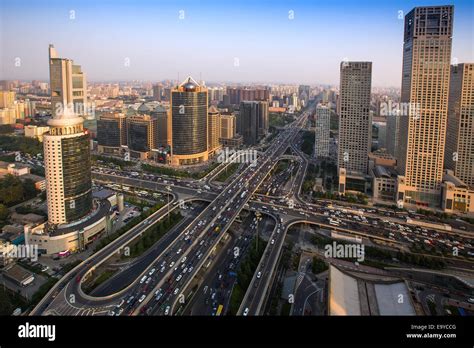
(219, 310)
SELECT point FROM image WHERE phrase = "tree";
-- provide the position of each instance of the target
(3, 212)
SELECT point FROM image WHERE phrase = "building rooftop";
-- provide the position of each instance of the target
(353, 293)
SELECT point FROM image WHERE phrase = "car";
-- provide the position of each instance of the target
(152, 271)
(171, 264)
(470, 300)
(178, 278)
(259, 274)
(162, 269)
(246, 311)
(176, 291)
(167, 310)
(141, 298)
(272, 242)
(179, 251)
(130, 299)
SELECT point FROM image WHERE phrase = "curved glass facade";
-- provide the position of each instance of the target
(77, 176)
(189, 122)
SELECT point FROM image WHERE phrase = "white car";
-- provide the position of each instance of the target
(167, 310)
(141, 298)
(246, 311)
(259, 274)
(272, 242)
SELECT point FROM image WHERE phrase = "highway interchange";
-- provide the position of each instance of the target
(161, 284)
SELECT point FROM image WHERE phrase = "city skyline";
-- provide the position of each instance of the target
(249, 46)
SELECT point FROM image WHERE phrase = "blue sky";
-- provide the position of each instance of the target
(269, 46)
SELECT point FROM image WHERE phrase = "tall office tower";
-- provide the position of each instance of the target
(247, 122)
(167, 94)
(213, 128)
(304, 93)
(68, 85)
(393, 135)
(141, 135)
(228, 126)
(355, 124)
(459, 153)
(323, 121)
(189, 123)
(263, 119)
(252, 122)
(67, 168)
(425, 88)
(111, 132)
(157, 92)
(163, 119)
(7, 99)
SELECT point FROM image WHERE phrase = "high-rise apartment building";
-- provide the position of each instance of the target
(7, 99)
(425, 89)
(322, 131)
(189, 123)
(355, 124)
(68, 85)
(459, 152)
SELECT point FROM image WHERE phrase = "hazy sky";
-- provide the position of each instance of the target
(269, 46)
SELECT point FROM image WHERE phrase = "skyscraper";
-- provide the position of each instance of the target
(425, 88)
(459, 153)
(252, 122)
(189, 123)
(355, 124)
(66, 152)
(213, 128)
(322, 126)
(68, 85)
(157, 92)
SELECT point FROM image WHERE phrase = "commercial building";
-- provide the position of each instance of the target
(73, 217)
(68, 85)
(252, 121)
(425, 89)
(459, 152)
(456, 195)
(35, 132)
(322, 131)
(111, 132)
(141, 135)
(228, 126)
(304, 92)
(361, 294)
(214, 130)
(355, 124)
(189, 124)
(163, 126)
